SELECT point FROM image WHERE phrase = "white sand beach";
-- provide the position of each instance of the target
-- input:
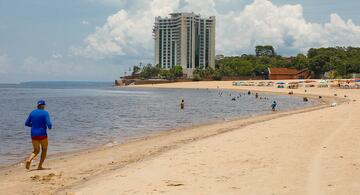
(307, 151)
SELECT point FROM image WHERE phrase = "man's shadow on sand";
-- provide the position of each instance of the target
(43, 169)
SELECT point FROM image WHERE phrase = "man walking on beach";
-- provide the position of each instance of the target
(39, 121)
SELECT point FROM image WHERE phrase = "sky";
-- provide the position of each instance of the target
(98, 40)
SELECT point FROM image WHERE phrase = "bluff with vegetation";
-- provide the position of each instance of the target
(338, 62)
(156, 72)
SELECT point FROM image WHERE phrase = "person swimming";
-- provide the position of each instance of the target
(182, 104)
(273, 106)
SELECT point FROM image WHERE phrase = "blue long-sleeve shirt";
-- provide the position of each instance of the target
(39, 121)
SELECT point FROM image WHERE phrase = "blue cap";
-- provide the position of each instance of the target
(41, 102)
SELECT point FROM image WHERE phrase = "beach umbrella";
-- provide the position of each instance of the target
(281, 83)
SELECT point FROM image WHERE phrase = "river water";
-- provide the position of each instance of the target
(86, 115)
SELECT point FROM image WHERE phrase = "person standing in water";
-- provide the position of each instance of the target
(256, 95)
(39, 121)
(273, 105)
(182, 104)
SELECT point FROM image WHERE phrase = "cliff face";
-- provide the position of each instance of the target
(119, 83)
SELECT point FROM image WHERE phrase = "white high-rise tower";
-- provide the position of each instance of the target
(185, 39)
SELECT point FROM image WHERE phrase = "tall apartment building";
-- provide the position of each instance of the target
(185, 39)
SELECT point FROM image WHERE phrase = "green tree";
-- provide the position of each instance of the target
(206, 73)
(217, 75)
(176, 71)
(243, 68)
(136, 70)
(149, 71)
(165, 74)
(265, 50)
(317, 65)
(340, 66)
(300, 62)
(260, 69)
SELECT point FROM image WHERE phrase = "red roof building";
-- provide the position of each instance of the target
(287, 73)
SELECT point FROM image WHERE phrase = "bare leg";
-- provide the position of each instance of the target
(44, 146)
(36, 146)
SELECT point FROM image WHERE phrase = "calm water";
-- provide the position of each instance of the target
(89, 114)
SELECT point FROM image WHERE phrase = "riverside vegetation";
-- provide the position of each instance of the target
(332, 62)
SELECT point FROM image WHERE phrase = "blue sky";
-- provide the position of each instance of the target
(100, 39)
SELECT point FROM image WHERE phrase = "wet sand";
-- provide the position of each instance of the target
(308, 151)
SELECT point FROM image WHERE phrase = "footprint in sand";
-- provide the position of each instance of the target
(46, 178)
(36, 177)
(173, 183)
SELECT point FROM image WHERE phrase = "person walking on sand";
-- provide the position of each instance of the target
(182, 104)
(39, 121)
(273, 106)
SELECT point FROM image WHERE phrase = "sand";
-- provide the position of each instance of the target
(307, 151)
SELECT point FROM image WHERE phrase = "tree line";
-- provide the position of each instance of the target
(156, 72)
(332, 62)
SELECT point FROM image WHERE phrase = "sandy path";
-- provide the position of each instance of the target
(313, 152)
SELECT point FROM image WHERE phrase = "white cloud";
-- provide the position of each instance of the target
(282, 26)
(85, 22)
(129, 33)
(56, 55)
(125, 34)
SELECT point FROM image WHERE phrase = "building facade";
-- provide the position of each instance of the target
(185, 39)
(287, 73)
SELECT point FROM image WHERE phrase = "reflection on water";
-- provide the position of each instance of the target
(88, 115)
